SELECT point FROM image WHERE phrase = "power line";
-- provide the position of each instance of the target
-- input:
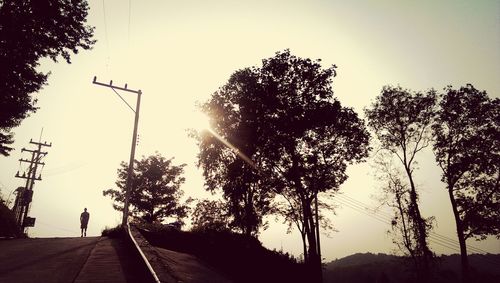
(385, 218)
(129, 13)
(105, 33)
(389, 218)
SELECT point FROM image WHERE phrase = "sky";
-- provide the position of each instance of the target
(179, 52)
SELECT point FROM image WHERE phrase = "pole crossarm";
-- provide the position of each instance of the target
(33, 162)
(115, 87)
(29, 150)
(41, 143)
(39, 178)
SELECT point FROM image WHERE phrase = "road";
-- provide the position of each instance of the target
(91, 259)
(97, 259)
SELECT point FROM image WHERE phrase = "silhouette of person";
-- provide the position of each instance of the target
(84, 220)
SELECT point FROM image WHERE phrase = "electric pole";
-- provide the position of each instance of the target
(128, 188)
(25, 194)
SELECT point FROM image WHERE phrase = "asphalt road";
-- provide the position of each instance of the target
(92, 259)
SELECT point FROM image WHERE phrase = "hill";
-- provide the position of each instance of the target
(368, 267)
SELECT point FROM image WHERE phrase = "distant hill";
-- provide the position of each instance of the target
(370, 267)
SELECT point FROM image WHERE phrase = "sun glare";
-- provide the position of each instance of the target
(199, 121)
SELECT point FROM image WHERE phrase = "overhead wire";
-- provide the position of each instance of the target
(106, 34)
(386, 218)
(389, 217)
(129, 16)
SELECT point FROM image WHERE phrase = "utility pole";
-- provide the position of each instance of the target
(128, 188)
(25, 194)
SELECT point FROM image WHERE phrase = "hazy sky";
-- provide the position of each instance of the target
(180, 52)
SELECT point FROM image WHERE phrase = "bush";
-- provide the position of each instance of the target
(116, 232)
(8, 225)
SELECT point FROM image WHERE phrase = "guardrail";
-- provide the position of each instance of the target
(146, 261)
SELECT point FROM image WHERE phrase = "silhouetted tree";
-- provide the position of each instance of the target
(235, 120)
(210, 215)
(467, 144)
(401, 120)
(31, 30)
(156, 189)
(296, 138)
(396, 194)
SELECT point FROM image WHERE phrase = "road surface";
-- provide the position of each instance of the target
(97, 259)
(91, 259)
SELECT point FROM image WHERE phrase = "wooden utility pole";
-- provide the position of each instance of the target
(128, 188)
(25, 194)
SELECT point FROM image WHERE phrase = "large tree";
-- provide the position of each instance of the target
(311, 140)
(292, 137)
(29, 31)
(467, 148)
(226, 152)
(156, 193)
(402, 120)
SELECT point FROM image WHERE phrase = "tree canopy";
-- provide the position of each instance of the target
(289, 136)
(156, 193)
(210, 215)
(233, 112)
(401, 120)
(467, 143)
(29, 31)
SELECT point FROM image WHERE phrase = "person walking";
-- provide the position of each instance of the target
(84, 221)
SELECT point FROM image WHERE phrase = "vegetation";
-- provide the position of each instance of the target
(401, 121)
(280, 143)
(397, 196)
(467, 142)
(32, 30)
(384, 268)
(239, 257)
(115, 232)
(155, 192)
(8, 225)
(229, 166)
(210, 215)
(288, 136)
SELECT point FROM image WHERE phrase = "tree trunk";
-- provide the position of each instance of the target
(248, 213)
(314, 260)
(425, 273)
(318, 243)
(461, 238)
(304, 245)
